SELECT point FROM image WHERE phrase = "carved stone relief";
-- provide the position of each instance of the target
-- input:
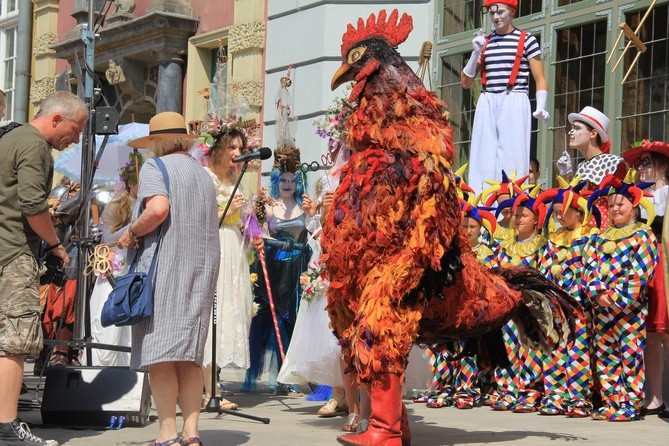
(246, 36)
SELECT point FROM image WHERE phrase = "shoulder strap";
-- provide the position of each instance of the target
(516, 62)
(166, 178)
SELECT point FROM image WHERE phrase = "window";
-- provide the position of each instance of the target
(462, 15)
(460, 103)
(8, 21)
(7, 73)
(646, 90)
(529, 7)
(579, 64)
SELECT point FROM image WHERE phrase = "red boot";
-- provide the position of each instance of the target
(385, 421)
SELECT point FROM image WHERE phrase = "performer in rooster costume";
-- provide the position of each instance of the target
(400, 267)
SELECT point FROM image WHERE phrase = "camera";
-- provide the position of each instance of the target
(54, 272)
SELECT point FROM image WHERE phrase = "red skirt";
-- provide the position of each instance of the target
(658, 317)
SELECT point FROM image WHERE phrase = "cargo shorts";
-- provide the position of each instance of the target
(20, 321)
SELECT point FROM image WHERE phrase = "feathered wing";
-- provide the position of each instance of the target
(388, 224)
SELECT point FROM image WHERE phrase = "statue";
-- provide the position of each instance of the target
(114, 73)
(124, 6)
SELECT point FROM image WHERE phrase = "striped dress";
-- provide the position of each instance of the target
(187, 266)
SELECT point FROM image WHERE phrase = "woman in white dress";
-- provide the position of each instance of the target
(115, 220)
(233, 289)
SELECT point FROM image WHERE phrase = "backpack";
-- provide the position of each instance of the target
(8, 128)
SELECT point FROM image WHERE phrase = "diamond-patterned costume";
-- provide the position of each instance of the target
(514, 382)
(567, 372)
(620, 262)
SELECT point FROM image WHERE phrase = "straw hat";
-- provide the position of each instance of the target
(594, 118)
(163, 125)
(632, 155)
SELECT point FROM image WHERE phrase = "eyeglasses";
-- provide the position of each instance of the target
(492, 10)
(643, 162)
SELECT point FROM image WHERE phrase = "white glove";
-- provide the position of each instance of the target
(477, 47)
(564, 164)
(540, 112)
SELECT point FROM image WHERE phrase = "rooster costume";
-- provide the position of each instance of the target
(397, 258)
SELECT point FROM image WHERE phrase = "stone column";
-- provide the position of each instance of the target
(170, 84)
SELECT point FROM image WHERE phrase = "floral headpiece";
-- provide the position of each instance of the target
(331, 126)
(215, 128)
(128, 172)
(611, 185)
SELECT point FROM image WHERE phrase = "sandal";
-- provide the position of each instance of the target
(352, 423)
(191, 440)
(331, 408)
(176, 440)
(227, 405)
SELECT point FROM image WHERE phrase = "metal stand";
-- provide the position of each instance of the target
(214, 403)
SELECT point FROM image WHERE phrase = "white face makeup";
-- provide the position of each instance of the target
(501, 17)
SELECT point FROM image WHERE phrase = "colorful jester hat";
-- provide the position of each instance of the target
(508, 186)
(385, 28)
(528, 200)
(568, 195)
(461, 186)
(634, 192)
(483, 216)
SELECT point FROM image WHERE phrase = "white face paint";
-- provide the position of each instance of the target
(501, 17)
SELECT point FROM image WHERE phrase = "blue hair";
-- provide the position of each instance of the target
(274, 179)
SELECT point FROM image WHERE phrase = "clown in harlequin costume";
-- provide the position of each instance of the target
(651, 158)
(498, 192)
(588, 135)
(503, 118)
(400, 268)
(514, 382)
(566, 372)
(619, 263)
(467, 389)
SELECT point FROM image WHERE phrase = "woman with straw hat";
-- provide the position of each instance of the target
(180, 212)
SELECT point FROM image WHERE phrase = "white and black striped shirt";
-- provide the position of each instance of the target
(499, 56)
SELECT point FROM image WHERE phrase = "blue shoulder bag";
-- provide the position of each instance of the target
(131, 300)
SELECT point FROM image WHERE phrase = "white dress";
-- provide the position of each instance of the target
(112, 335)
(314, 353)
(234, 299)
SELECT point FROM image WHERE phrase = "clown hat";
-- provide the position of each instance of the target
(594, 118)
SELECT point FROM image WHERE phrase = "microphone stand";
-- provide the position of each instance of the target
(214, 403)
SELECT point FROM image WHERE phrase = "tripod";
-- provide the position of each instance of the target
(214, 403)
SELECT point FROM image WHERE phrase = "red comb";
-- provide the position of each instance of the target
(390, 30)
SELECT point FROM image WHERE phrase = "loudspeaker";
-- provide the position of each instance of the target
(91, 396)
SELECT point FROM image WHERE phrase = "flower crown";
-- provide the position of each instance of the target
(215, 128)
(128, 172)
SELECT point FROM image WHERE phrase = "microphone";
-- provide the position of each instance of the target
(262, 153)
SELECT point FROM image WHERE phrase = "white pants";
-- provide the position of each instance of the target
(500, 138)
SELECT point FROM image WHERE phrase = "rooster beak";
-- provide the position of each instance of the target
(343, 74)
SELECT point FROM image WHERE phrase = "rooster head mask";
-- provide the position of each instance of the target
(366, 46)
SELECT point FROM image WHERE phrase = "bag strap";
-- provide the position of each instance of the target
(152, 268)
